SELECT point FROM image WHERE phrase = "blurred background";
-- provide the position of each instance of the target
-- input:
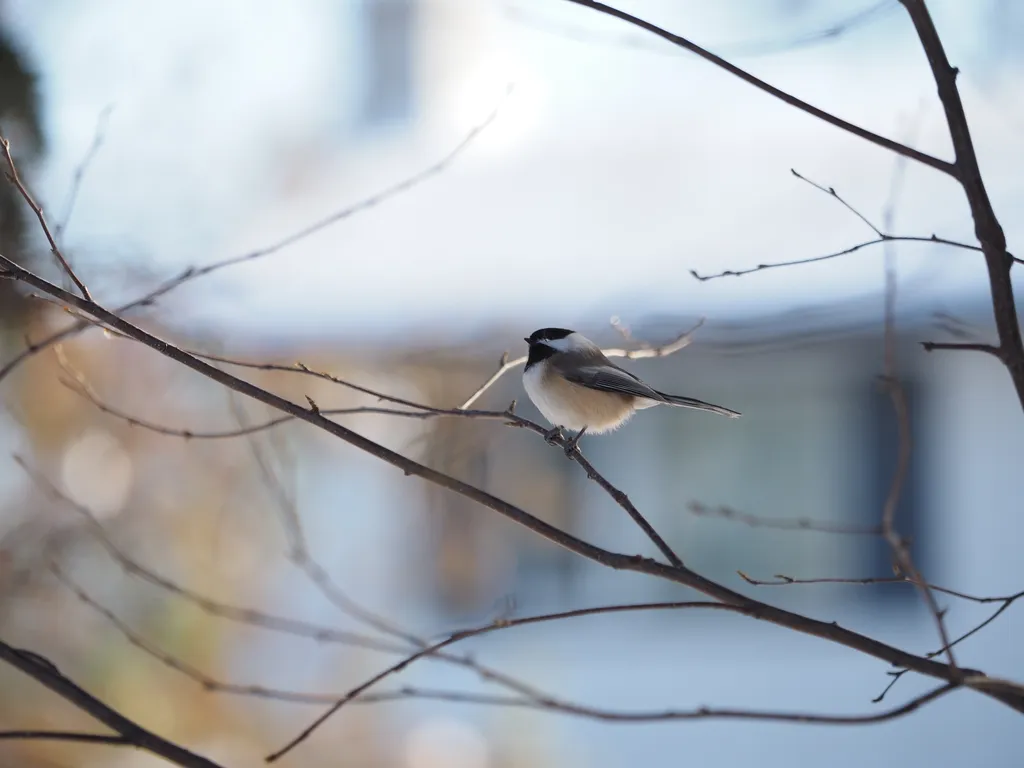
(567, 169)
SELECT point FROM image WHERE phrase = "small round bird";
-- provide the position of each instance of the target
(575, 386)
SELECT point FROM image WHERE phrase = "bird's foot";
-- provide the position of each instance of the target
(553, 436)
(572, 446)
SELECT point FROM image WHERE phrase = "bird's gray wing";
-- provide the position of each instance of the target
(607, 377)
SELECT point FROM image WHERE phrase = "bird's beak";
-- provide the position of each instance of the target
(527, 340)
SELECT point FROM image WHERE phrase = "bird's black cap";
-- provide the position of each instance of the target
(547, 334)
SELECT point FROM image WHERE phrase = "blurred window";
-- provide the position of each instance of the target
(387, 57)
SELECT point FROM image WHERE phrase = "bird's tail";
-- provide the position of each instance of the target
(700, 405)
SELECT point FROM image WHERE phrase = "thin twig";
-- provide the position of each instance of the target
(883, 238)
(784, 581)
(782, 523)
(705, 713)
(80, 387)
(894, 146)
(831, 192)
(15, 179)
(931, 346)
(76, 180)
(193, 273)
(745, 49)
(1006, 601)
(901, 553)
(835, 254)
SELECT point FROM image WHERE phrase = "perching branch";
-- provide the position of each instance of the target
(79, 385)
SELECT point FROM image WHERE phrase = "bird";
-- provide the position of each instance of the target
(576, 387)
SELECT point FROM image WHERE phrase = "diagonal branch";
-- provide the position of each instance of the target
(44, 672)
(15, 179)
(84, 738)
(900, 149)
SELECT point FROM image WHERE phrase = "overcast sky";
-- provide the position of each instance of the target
(616, 166)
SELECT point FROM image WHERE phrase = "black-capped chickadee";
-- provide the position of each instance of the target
(575, 386)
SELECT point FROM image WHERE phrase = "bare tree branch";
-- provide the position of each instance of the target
(986, 225)
(46, 673)
(931, 346)
(85, 738)
(883, 238)
(15, 179)
(894, 146)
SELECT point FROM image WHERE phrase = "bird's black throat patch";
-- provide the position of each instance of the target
(539, 351)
